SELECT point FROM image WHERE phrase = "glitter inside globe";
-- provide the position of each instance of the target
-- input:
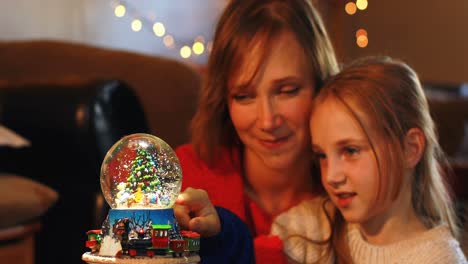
(141, 171)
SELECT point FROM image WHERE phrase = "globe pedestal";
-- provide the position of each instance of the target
(96, 259)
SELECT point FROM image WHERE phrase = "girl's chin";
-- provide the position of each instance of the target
(352, 217)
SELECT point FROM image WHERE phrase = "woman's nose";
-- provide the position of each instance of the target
(268, 117)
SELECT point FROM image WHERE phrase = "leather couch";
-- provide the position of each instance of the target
(166, 88)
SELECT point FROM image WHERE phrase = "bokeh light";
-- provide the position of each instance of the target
(119, 11)
(185, 52)
(159, 29)
(350, 8)
(198, 48)
(136, 25)
(362, 41)
(361, 4)
(168, 41)
(360, 32)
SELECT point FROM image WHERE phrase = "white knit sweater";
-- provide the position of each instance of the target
(300, 224)
(308, 220)
(436, 245)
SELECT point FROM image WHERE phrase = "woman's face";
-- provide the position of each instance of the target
(270, 111)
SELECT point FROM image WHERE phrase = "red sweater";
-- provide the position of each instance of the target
(225, 189)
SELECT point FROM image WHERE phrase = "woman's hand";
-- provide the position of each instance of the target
(194, 211)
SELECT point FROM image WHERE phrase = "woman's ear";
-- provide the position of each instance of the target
(415, 142)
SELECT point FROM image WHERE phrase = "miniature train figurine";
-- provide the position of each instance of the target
(94, 239)
(156, 240)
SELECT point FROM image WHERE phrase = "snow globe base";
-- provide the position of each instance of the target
(134, 235)
(92, 258)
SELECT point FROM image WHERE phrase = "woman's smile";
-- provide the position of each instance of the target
(274, 143)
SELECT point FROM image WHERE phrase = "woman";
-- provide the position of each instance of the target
(250, 147)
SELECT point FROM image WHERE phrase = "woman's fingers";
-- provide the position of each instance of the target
(182, 214)
(196, 200)
(195, 212)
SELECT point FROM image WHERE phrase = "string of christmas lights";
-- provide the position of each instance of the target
(351, 8)
(198, 47)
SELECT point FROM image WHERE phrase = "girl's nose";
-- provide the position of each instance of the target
(335, 175)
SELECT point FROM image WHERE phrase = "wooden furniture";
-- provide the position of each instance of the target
(17, 243)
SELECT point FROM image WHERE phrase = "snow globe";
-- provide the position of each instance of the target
(141, 171)
(140, 179)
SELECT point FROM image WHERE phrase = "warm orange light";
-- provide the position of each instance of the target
(168, 41)
(350, 8)
(361, 32)
(362, 41)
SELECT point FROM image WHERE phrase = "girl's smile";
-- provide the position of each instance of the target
(344, 199)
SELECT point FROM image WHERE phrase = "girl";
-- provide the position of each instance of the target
(381, 166)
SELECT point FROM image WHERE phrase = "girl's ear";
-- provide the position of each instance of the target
(415, 142)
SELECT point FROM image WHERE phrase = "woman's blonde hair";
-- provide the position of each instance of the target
(386, 97)
(243, 25)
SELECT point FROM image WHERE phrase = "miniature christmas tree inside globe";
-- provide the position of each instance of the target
(141, 171)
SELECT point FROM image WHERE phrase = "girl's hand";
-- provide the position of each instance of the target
(194, 211)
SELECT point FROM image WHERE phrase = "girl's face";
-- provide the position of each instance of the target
(270, 112)
(347, 162)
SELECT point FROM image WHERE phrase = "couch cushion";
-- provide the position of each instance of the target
(22, 199)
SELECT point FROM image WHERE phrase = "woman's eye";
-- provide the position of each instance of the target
(319, 155)
(289, 89)
(241, 96)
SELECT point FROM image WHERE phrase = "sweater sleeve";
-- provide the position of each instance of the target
(233, 244)
(304, 230)
(434, 246)
(442, 252)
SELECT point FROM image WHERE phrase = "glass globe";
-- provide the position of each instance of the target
(141, 171)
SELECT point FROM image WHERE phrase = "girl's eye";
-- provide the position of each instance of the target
(351, 151)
